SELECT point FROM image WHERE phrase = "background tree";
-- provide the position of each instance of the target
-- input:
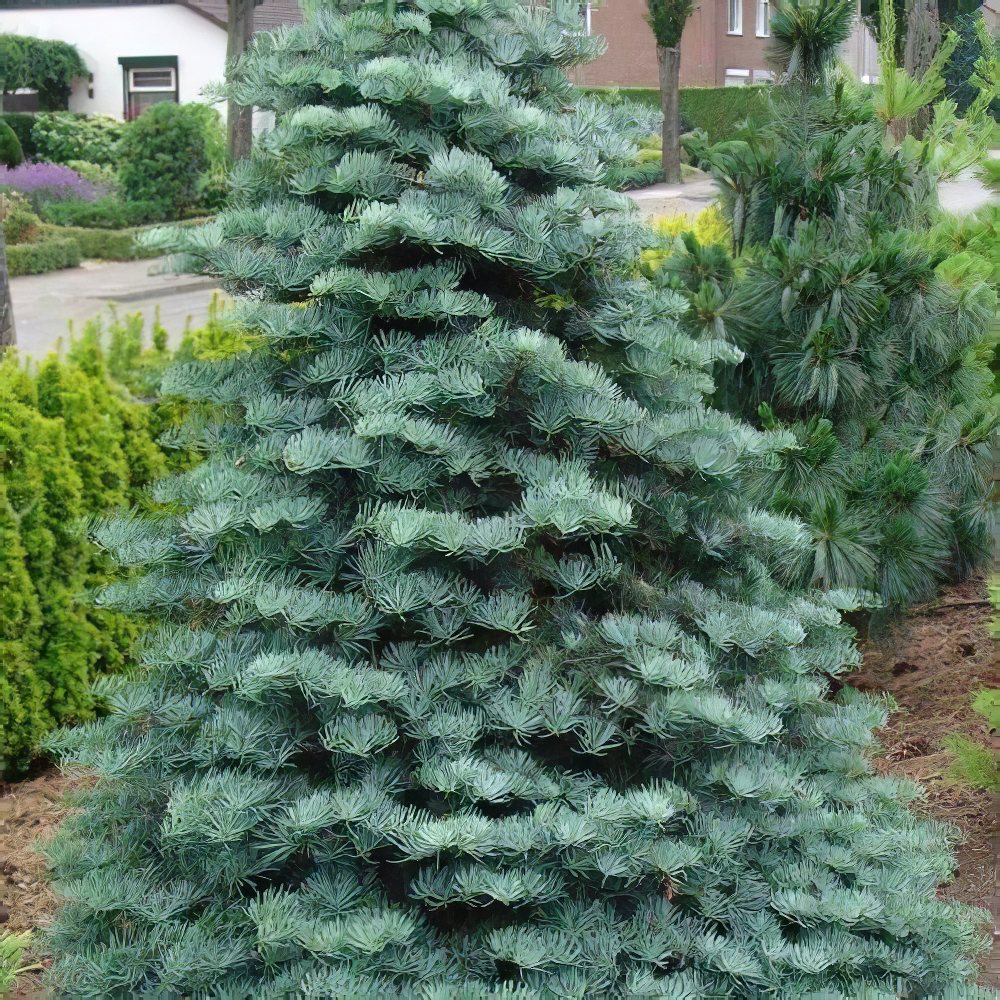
(239, 119)
(667, 19)
(806, 36)
(473, 673)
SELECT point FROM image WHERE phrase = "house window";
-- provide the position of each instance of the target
(763, 18)
(737, 77)
(148, 80)
(736, 17)
(152, 80)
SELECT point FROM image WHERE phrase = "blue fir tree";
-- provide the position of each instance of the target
(474, 674)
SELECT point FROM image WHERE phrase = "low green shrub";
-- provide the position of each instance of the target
(51, 254)
(22, 122)
(72, 445)
(106, 244)
(641, 95)
(166, 154)
(11, 154)
(36, 248)
(64, 136)
(716, 110)
(109, 212)
(100, 174)
(21, 223)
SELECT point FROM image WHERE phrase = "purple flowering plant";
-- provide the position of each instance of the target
(49, 182)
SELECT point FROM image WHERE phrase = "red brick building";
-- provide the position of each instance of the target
(724, 44)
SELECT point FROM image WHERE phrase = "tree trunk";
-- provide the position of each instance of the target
(8, 336)
(669, 59)
(239, 120)
(923, 38)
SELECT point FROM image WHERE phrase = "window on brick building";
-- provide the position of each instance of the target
(763, 18)
(736, 17)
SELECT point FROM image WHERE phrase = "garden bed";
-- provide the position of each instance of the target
(932, 662)
(30, 811)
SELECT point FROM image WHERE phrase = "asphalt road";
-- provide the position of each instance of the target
(45, 305)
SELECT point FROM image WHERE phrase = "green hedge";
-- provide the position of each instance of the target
(717, 110)
(107, 244)
(22, 124)
(66, 246)
(43, 256)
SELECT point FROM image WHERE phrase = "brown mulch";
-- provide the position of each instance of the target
(933, 662)
(30, 811)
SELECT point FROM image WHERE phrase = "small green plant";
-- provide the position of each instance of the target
(22, 122)
(166, 154)
(64, 136)
(974, 763)
(987, 704)
(12, 947)
(11, 153)
(109, 212)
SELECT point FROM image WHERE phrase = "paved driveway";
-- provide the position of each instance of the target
(45, 304)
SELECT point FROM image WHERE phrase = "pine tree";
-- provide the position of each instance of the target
(866, 320)
(474, 675)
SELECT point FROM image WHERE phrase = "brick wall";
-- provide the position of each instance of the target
(707, 51)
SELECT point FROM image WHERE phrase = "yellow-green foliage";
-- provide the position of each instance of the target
(710, 227)
(12, 947)
(72, 444)
(974, 763)
(217, 339)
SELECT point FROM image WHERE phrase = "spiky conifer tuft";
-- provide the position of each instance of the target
(475, 676)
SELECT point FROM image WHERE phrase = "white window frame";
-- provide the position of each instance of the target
(735, 14)
(133, 89)
(763, 18)
(737, 77)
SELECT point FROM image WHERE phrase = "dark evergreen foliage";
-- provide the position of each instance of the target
(866, 329)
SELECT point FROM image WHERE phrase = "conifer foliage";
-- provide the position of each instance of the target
(474, 674)
(865, 317)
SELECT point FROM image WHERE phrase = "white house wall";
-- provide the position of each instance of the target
(102, 34)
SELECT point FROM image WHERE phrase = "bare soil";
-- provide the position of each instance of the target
(933, 662)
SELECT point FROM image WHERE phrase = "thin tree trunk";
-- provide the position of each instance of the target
(239, 120)
(923, 39)
(669, 59)
(8, 335)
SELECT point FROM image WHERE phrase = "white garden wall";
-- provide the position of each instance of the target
(102, 34)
